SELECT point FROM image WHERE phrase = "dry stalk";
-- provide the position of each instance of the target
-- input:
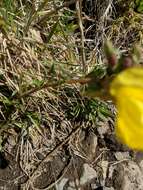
(54, 85)
(80, 23)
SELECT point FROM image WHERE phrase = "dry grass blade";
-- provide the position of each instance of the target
(44, 18)
(33, 15)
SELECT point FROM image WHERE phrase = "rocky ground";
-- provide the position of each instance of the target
(86, 159)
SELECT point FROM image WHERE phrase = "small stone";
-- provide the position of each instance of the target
(88, 174)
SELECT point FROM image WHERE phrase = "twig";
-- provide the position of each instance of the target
(54, 85)
(79, 14)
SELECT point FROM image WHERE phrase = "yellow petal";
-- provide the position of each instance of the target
(127, 89)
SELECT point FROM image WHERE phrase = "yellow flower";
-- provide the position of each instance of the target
(127, 89)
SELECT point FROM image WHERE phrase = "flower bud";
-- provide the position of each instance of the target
(110, 53)
(127, 62)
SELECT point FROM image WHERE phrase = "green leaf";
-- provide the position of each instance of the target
(139, 6)
(37, 82)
